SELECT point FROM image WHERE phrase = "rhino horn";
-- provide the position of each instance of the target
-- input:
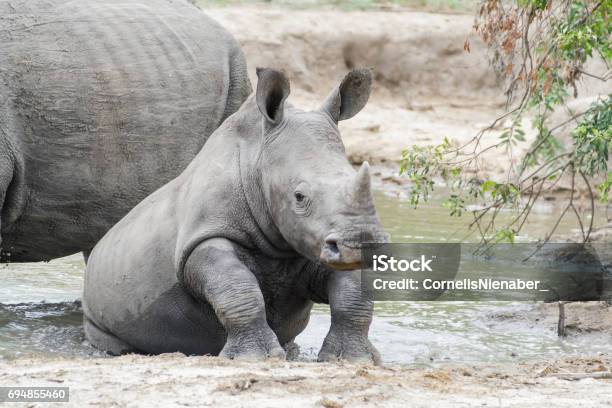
(361, 186)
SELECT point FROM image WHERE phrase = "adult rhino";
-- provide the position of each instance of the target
(229, 257)
(101, 103)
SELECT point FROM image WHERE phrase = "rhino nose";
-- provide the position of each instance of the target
(331, 246)
(338, 256)
(332, 241)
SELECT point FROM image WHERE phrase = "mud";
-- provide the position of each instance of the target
(584, 319)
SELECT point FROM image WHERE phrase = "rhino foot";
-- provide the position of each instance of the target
(355, 348)
(292, 350)
(255, 346)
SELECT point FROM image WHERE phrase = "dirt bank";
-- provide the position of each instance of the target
(426, 86)
(176, 380)
(418, 57)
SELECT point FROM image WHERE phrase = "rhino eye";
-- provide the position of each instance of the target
(302, 204)
(299, 197)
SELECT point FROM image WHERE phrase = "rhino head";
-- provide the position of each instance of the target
(321, 206)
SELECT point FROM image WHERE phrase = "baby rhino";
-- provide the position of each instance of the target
(229, 257)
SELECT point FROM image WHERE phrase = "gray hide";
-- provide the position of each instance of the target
(101, 103)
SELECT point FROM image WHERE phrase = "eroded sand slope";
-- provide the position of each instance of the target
(427, 86)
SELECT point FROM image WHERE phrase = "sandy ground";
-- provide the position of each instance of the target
(176, 380)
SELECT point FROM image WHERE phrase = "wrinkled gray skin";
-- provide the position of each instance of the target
(229, 257)
(101, 103)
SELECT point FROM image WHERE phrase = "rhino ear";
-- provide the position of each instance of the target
(272, 91)
(348, 98)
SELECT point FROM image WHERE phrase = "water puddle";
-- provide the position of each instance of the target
(40, 314)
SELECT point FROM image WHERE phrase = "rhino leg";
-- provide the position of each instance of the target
(6, 175)
(292, 350)
(103, 340)
(12, 180)
(214, 274)
(351, 315)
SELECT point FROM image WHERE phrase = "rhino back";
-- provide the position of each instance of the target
(109, 100)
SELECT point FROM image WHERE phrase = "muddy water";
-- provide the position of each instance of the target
(40, 314)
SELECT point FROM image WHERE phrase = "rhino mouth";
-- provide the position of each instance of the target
(345, 254)
(341, 265)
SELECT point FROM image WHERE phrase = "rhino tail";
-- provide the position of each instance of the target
(239, 87)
